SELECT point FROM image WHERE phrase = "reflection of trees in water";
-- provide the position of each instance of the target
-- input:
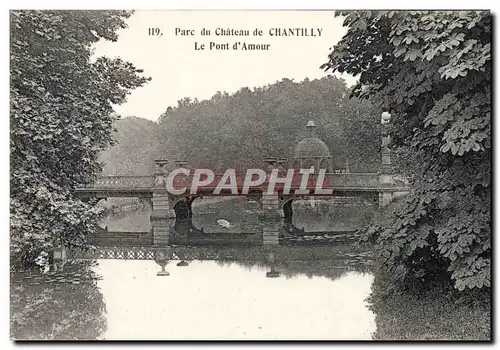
(115, 208)
(335, 215)
(133, 221)
(303, 261)
(66, 305)
(331, 269)
(322, 268)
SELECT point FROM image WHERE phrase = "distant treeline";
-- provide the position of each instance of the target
(240, 129)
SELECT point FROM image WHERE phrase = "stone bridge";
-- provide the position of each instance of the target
(342, 185)
(168, 206)
(311, 153)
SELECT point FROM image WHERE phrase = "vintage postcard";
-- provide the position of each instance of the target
(250, 175)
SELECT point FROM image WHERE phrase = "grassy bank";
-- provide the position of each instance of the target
(430, 315)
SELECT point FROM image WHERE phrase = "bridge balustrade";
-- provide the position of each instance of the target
(114, 182)
(361, 180)
(367, 180)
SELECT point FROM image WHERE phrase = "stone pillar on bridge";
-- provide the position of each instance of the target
(270, 201)
(162, 213)
(386, 179)
(271, 232)
(271, 221)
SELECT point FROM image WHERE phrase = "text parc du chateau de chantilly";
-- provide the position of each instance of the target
(243, 45)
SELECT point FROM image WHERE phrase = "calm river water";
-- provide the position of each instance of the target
(206, 300)
(314, 295)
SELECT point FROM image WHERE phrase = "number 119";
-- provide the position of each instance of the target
(154, 32)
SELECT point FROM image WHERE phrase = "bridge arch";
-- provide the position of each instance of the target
(183, 208)
(287, 210)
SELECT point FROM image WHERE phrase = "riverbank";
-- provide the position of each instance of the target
(62, 305)
(433, 315)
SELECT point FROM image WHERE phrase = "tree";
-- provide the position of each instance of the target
(432, 70)
(61, 118)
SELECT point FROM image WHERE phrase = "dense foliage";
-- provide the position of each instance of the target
(242, 128)
(61, 118)
(432, 69)
(441, 313)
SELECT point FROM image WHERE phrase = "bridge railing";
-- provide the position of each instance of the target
(335, 180)
(331, 180)
(113, 182)
(363, 180)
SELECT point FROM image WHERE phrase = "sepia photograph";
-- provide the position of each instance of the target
(242, 175)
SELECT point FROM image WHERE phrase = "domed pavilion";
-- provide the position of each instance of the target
(312, 152)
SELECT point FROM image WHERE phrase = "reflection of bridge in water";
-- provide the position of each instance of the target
(184, 232)
(273, 246)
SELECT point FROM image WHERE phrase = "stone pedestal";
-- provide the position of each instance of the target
(161, 205)
(162, 217)
(270, 233)
(386, 179)
(270, 207)
(162, 229)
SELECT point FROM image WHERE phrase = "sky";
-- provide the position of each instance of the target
(178, 70)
